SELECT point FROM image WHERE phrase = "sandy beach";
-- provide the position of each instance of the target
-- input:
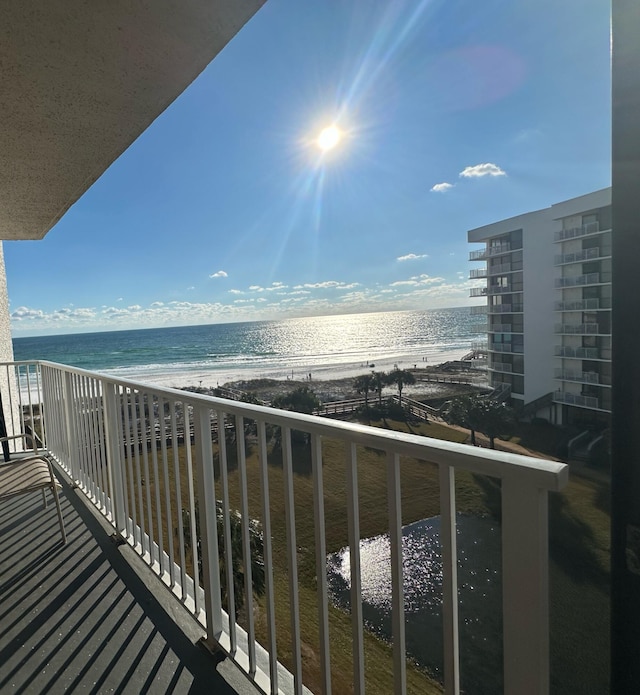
(328, 390)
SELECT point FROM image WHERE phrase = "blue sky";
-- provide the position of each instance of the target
(452, 114)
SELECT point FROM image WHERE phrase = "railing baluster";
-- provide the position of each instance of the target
(525, 588)
(192, 509)
(397, 579)
(162, 402)
(208, 522)
(321, 563)
(154, 406)
(449, 580)
(226, 529)
(268, 556)
(353, 520)
(290, 519)
(114, 458)
(135, 444)
(246, 542)
(178, 488)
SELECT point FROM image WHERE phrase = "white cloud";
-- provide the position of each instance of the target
(236, 292)
(486, 169)
(441, 187)
(412, 257)
(219, 274)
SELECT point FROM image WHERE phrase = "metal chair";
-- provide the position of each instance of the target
(27, 473)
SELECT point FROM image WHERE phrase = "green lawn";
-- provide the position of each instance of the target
(579, 544)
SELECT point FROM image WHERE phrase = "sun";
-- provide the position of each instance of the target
(329, 137)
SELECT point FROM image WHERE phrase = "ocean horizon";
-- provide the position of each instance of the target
(327, 347)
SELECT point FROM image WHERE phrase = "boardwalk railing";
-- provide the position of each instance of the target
(117, 440)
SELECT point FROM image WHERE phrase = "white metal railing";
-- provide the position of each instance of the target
(577, 328)
(478, 310)
(587, 279)
(477, 273)
(490, 250)
(578, 305)
(574, 232)
(576, 399)
(581, 353)
(583, 377)
(157, 463)
(478, 292)
(506, 367)
(501, 268)
(578, 256)
(506, 347)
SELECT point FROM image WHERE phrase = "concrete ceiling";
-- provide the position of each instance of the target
(80, 80)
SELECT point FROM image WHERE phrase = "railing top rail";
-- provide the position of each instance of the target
(540, 473)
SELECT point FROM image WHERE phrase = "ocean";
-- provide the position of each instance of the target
(327, 347)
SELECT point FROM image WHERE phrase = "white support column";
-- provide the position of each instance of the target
(525, 589)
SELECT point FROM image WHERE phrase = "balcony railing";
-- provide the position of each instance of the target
(161, 465)
(588, 279)
(478, 292)
(499, 289)
(476, 273)
(480, 345)
(500, 328)
(577, 256)
(479, 310)
(581, 353)
(494, 250)
(575, 232)
(578, 305)
(576, 399)
(506, 347)
(582, 377)
(499, 269)
(505, 308)
(500, 367)
(578, 328)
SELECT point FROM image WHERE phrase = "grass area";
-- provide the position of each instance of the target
(579, 548)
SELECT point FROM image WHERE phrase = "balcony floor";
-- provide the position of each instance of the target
(80, 618)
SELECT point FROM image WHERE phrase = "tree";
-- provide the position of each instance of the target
(300, 400)
(464, 412)
(479, 415)
(494, 419)
(379, 380)
(401, 378)
(237, 563)
(363, 384)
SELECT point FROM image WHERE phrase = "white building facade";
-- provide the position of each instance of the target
(548, 290)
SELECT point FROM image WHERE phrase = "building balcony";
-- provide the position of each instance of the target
(576, 232)
(581, 305)
(500, 328)
(479, 310)
(478, 292)
(479, 345)
(503, 367)
(581, 353)
(577, 399)
(499, 289)
(505, 308)
(579, 280)
(579, 256)
(579, 329)
(477, 273)
(146, 465)
(506, 347)
(501, 269)
(489, 251)
(582, 377)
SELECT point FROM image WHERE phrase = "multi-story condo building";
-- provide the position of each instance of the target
(548, 307)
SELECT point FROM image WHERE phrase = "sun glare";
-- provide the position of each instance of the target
(329, 137)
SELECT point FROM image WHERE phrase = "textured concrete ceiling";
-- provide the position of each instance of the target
(80, 80)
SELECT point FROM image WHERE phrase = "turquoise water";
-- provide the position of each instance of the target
(327, 346)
